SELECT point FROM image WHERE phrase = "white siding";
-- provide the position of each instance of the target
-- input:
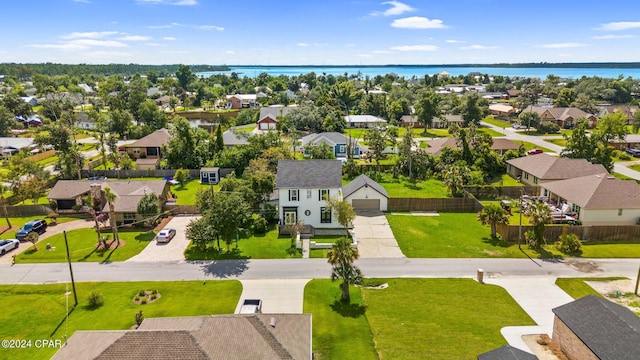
(368, 193)
(609, 217)
(312, 204)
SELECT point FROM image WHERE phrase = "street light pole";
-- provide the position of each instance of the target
(520, 227)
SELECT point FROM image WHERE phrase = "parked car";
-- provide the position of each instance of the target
(251, 306)
(518, 126)
(534, 152)
(633, 152)
(165, 235)
(39, 226)
(8, 245)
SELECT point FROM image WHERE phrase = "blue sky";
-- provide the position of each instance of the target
(323, 32)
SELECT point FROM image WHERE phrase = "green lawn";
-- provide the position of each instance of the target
(577, 288)
(267, 246)
(559, 142)
(504, 180)
(51, 160)
(187, 192)
(412, 318)
(18, 222)
(497, 122)
(402, 188)
(489, 131)
(38, 311)
(82, 247)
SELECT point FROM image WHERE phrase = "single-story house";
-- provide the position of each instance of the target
(153, 91)
(216, 337)
(542, 168)
(164, 100)
(364, 121)
(440, 123)
(11, 145)
(507, 352)
(276, 111)
(365, 194)
(596, 328)
(600, 199)
(30, 120)
(627, 110)
(147, 163)
(87, 89)
(512, 93)
(149, 146)
(503, 110)
(31, 100)
(303, 186)
(67, 193)
(337, 141)
(563, 116)
(86, 122)
(629, 141)
(267, 122)
(241, 101)
(210, 175)
(231, 138)
(500, 145)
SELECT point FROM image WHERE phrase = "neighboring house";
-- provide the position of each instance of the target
(337, 141)
(303, 186)
(512, 93)
(87, 89)
(86, 122)
(31, 120)
(31, 100)
(542, 168)
(267, 122)
(147, 163)
(164, 100)
(241, 101)
(600, 199)
(365, 194)
(67, 193)
(500, 145)
(153, 91)
(276, 111)
(563, 116)
(507, 352)
(149, 146)
(216, 337)
(629, 141)
(231, 138)
(592, 328)
(364, 121)
(11, 145)
(627, 110)
(501, 110)
(210, 175)
(448, 120)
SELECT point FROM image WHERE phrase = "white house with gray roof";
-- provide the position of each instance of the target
(365, 194)
(364, 121)
(338, 142)
(303, 186)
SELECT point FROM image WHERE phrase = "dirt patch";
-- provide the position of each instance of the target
(618, 291)
(542, 347)
(584, 266)
(112, 245)
(491, 252)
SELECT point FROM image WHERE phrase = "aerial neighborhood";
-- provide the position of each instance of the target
(153, 211)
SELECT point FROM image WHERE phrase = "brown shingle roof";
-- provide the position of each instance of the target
(205, 337)
(547, 167)
(559, 113)
(155, 139)
(602, 191)
(436, 145)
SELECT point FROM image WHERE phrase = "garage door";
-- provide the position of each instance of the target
(366, 204)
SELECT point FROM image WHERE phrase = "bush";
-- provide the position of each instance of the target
(621, 155)
(95, 299)
(259, 224)
(139, 317)
(547, 127)
(142, 293)
(76, 208)
(569, 244)
(144, 301)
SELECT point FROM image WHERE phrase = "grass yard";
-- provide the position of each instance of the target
(497, 122)
(39, 311)
(267, 246)
(504, 180)
(388, 323)
(82, 247)
(402, 188)
(18, 222)
(559, 142)
(577, 288)
(489, 131)
(51, 160)
(187, 192)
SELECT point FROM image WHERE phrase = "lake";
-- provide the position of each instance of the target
(420, 71)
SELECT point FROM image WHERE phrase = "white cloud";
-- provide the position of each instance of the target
(607, 37)
(61, 46)
(415, 48)
(561, 45)
(174, 52)
(230, 52)
(382, 52)
(210, 27)
(89, 34)
(303, 44)
(364, 55)
(621, 25)
(418, 22)
(168, 26)
(169, 38)
(134, 38)
(397, 8)
(155, 44)
(454, 41)
(82, 1)
(479, 47)
(102, 43)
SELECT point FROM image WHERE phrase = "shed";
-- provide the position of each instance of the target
(365, 194)
(209, 175)
(267, 123)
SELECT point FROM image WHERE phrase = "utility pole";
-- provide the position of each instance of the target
(520, 227)
(73, 283)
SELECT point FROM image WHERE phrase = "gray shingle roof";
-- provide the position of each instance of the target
(610, 330)
(332, 138)
(231, 138)
(547, 167)
(309, 174)
(602, 191)
(361, 181)
(507, 352)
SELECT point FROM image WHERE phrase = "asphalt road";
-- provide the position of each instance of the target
(313, 268)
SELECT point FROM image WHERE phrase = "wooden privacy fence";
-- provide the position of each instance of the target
(28, 210)
(493, 192)
(181, 209)
(42, 155)
(434, 204)
(125, 174)
(593, 232)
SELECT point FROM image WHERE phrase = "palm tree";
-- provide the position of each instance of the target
(111, 197)
(3, 189)
(493, 214)
(539, 214)
(341, 257)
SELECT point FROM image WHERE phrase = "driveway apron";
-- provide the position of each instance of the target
(171, 251)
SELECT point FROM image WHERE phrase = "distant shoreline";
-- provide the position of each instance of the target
(588, 65)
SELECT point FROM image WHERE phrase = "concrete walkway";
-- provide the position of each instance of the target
(51, 231)
(171, 251)
(279, 296)
(537, 295)
(374, 236)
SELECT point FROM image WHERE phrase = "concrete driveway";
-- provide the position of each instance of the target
(374, 236)
(279, 296)
(171, 251)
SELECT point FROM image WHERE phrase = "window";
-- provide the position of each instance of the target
(129, 217)
(323, 194)
(342, 148)
(325, 215)
(575, 208)
(136, 150)
(290, 215)
(526, 176)
(619, 212)
(535, 180)
(293, 195)
(309, 194)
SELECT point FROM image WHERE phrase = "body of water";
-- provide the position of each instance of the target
(420, 71)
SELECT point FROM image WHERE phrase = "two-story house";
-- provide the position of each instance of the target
(241, 101)
(303, 187)
(337, 141)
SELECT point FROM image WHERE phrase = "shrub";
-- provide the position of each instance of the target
(621, 155)
(547, 127)
(144, 301)
(154, 291)
(76, 208)
(259, 224)
(139, 317)
(569, 244)
(95, 299)
(530, 236)
(142, 293)
(153, 297)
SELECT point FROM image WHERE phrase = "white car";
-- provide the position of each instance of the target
(165, 235)
(8, 245)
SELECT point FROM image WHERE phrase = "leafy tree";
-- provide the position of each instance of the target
(540, 215)
(7, 121)
(3, 190)
(530, 119)
(33, 237)
(569, 244)
(548, 127)
(611, 127)
(219, 139)
(594, 148)
(320, 151)
(189, 148)
(185, 76)
(473, 109)
(455, 176)
(636, 122)
(585, 103)
(406, 148)
(181, 176)
(341, 257)
(344, 212)
(493, 214)
(150, 114)
(306, 117)
(565, 98)
(226, 212)
(120, 122)
(111, 198)
(149, 206)
(377, 144)
(427, 108)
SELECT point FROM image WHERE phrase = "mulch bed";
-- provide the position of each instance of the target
(112, 244)
(163, 223)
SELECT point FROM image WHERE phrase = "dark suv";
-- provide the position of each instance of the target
(39, 226)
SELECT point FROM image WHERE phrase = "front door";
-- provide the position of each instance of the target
(290, 216)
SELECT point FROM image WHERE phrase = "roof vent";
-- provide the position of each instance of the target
(611, 177)
(272, 322)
